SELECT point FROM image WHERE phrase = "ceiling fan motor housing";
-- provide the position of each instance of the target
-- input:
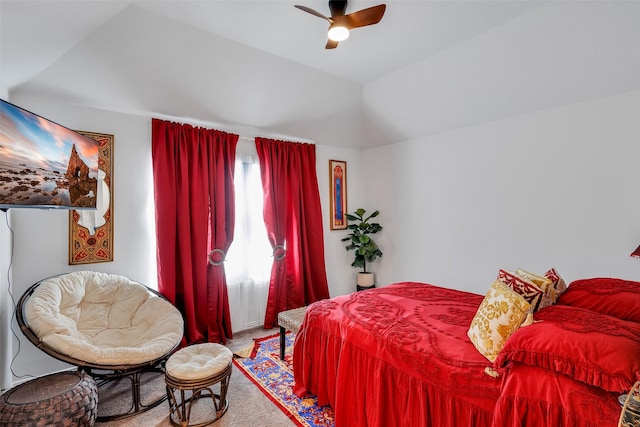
(337, 7)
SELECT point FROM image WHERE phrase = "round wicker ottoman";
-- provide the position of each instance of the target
(197, 369)
(61, 399)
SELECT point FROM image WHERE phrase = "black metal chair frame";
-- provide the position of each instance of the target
(102, 374)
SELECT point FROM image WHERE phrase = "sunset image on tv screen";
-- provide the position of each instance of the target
(43, 163)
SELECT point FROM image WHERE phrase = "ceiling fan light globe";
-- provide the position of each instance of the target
(338, 34)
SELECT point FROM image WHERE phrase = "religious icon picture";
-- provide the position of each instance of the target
(338, 194)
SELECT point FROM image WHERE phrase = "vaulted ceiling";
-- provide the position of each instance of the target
(261, 67)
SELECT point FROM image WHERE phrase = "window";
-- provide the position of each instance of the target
(248, 262)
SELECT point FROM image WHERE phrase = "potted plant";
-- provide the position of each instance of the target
(366, 250)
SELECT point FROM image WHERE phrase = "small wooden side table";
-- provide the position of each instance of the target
(289, 320)
(195, 370)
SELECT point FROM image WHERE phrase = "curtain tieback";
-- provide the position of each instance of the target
(222, 257)
(279, 252)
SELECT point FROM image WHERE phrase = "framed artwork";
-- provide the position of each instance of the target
(91, 231)
(338, 194)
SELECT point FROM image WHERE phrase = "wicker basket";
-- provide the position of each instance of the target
(61, 399)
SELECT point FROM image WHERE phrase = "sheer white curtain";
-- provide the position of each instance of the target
(248, 261)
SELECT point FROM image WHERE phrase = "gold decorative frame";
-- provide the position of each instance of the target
(338, 194)
(86, 247)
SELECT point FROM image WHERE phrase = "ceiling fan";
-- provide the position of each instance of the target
(340, 24)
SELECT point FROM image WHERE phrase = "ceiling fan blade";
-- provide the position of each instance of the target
(364, 17)
(313, 12)
(331, 44)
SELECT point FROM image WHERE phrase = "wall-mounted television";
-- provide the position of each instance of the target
(44, 164)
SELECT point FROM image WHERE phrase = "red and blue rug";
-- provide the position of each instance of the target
(274, 377)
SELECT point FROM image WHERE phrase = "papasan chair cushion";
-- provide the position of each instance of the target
(103, 319)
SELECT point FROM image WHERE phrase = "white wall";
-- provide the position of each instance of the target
(41, 236)
(557, 188)
(340, 275)
(6, 307)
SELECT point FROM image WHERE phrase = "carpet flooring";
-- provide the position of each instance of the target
(274, 377)
(248, 406)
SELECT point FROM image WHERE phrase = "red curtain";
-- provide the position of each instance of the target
(195, 213)
(293, 219)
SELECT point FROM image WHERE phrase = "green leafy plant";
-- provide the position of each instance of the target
(366, 250)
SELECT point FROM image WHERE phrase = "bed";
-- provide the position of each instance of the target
(401, 355)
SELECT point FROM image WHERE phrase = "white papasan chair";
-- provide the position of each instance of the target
(105, 324)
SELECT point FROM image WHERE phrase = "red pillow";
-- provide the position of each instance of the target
(599, 350)
(614, 297)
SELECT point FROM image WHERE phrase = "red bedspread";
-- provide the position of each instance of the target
(400, 356)
(532, 396)
(397, 355)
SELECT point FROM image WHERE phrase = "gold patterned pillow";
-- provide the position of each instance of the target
(501, 313)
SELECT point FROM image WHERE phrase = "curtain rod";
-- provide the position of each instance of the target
(292, 139)
(228, 129)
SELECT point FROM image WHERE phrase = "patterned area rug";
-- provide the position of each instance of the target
(275, 378)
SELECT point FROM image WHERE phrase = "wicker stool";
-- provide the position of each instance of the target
(61, 399)
(289, 320)
(197, 368)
